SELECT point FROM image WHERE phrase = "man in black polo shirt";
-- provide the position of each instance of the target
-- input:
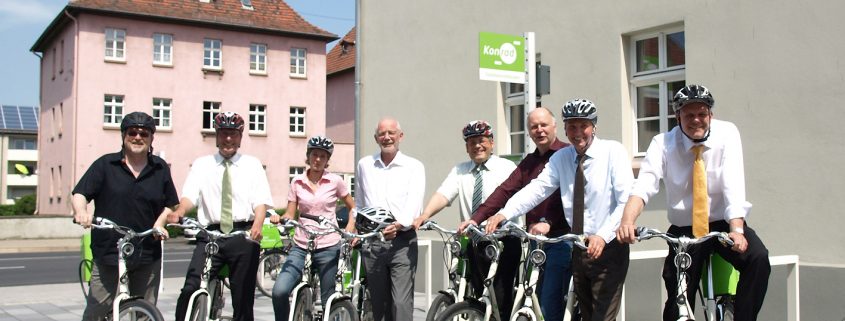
(133, 188)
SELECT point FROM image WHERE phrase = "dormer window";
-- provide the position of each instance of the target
(247, 4)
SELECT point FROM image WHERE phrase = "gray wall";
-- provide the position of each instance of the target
(775, 68)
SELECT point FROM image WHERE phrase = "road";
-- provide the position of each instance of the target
(61, 267)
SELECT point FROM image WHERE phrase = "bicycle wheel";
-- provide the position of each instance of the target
(464, 311)
(218, 300)
(522, 318)
(438, 305)
(302, 306)
(365, 305)
(139, 310)
(199, 311)
(85, 267)
(269, 266)
(725, 309)
(343, 310)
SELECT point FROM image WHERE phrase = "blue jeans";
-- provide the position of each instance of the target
(554, 283)
(324, 260)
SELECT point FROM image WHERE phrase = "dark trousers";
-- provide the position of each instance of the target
(753, 266)
(503, 283)
(391, 267)
(598, 283)
(241, 255)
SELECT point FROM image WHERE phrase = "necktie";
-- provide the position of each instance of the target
(478, 188)
(578, 197)
(226, 201)
(700, 206)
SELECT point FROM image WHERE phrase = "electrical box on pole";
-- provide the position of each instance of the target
(543, 80)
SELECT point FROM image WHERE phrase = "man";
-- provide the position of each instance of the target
(232, 194)
(594, 176)
(473, 181)
(544, 219)
(394, 181)
(133, 188)
(671, 157)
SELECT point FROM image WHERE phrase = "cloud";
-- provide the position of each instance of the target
(19, 13)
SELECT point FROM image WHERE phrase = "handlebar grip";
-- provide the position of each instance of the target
(310, 217)
(640, 230)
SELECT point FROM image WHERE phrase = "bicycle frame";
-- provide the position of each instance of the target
(682, 262)
(493, 251)
(457, 264)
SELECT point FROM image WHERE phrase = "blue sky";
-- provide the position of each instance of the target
(22, 21)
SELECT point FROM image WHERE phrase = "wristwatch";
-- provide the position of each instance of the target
(738, 230)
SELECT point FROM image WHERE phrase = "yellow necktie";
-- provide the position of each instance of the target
(700, 205)
(226, 223)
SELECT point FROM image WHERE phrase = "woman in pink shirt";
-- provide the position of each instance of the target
(316, 193)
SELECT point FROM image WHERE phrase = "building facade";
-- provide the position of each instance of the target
(773, 69)
(340, 103)
(181, 61)
(19, 148)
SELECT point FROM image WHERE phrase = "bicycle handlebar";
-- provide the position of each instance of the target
(433, 226)
(343, 232)
(644, 233)
(107, 224)
(578, 239)
(187, 222)
(476, 234)
(310, 230)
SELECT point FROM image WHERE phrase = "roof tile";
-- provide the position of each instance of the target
(339, 59)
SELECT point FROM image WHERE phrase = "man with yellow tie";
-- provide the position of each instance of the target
(700, 163)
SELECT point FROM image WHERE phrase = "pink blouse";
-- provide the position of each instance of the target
(320, 202)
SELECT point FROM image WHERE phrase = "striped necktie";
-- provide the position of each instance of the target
(478, 188)
(700, 206)
(226, 224)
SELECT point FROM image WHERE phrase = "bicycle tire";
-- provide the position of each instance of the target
(465, 311)
(365, 305)
(343, 310)
(85, 268)
(725, 310)
(199, 311)
(438, 305)
(302, 306)
(215, 288)
(269, 266)
(139, 309)
(522, 318)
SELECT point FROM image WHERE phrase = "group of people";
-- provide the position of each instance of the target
(586, 188)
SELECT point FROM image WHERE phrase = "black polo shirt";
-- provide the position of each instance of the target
(128, 201)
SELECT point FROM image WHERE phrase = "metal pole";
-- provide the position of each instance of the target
(530, 91)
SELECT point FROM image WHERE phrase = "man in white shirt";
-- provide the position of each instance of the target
(394, 181)
(594, 176)
(232, 194)
(670, 158)
(473, 181)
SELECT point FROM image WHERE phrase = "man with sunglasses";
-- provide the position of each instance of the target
(133, 188)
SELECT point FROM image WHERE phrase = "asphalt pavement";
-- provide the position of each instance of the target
(64, 301)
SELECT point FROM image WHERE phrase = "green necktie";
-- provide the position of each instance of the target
(226, 202)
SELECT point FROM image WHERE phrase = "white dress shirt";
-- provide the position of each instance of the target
(670, 158)
(398, 186)
(461, 182)
(609, 177)
(249, 187)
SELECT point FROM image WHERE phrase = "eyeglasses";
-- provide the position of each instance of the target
(135, 132)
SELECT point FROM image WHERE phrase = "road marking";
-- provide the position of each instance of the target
(38, 258)
(179, 260)
(11, 267)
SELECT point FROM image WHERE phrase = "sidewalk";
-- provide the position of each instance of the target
(40, 245)
(64, 302)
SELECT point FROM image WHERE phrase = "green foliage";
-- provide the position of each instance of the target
(177, 231)
(25, 205)
(7, 210)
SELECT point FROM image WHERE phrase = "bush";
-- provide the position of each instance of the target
(25, 205)
(7, 210)
(177, 231)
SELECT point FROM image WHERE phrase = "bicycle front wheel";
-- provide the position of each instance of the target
(343, 310)
(302, 306)
(438, 305)
(464, 311)
(199, 311)
(269, 266)
(85, 267)
(139, 309)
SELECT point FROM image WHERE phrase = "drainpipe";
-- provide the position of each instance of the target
(357, 122)
(75, 103)
(40, 59)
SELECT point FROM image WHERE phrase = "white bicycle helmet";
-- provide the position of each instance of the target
(371, 219)
(580, 109)
(320, 142)
(690, 94)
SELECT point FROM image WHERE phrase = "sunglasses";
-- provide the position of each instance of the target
(135, 132)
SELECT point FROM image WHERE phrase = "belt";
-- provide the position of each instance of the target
(236, 226)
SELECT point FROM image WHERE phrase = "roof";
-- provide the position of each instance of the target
(19, 119)
(268, 16)
(342, 56)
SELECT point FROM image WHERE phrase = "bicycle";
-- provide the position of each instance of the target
(526, 304)
(457, 265)
(206, 303)
(485, 306)
(125, 306)
(713, 310)
(86, 264)
(275, 246)
(351, 296)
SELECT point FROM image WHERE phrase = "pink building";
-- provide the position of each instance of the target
(340, 101)
(181, 61)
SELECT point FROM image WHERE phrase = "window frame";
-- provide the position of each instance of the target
(297, 128)
(115, 39)
(159, 109)
(662, 77)
(208, 54)
(257, 67)
(293, 171)
(298, 70)
(257, 118)
(113, 105)
(162, 48)
(514, 98)
(210, 109)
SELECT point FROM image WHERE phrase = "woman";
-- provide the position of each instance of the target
(315, 193)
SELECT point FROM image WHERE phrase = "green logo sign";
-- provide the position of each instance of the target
(501, 57)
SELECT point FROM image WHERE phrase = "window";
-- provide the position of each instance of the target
(515, 113)
(54, 63)
(162, 49)
(162, 112)
(23, 143)
(295, 170)
(16, 192)
(658, 71)
(26, 167)
(113, 110)
(297, 121)
(62, 57)
(297, 62)
(258, 58)
(210, 109)
(257, 118)
(115, 44)
(212, 54)
(246, 4)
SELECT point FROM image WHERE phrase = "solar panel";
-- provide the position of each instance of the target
(11, 117)
(29, 117)
(19, 117)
